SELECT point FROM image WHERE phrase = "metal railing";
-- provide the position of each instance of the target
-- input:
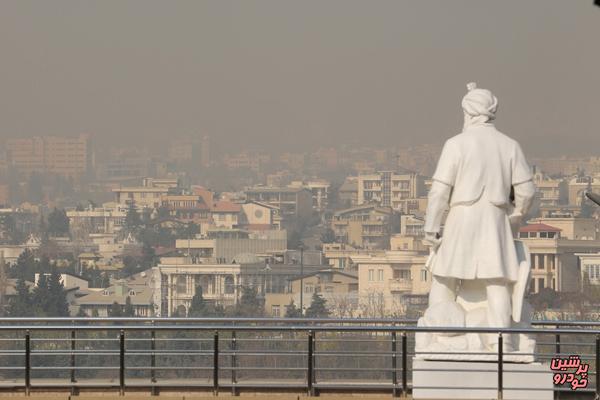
(217, 354)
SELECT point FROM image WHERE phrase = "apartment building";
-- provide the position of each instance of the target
(139, 288)
(226, 245)
(581, 184)
(551, 192)
(222, 283)
(259, 216)
(389, 189)
(572, 228)
(367, 226)
(71, 157)
(554, 260)
(293, 203)
(319, 190)
(590, 267)
(149, 195)
(338, 288)
(109, 218)
(348, 192)
(187, 208)
(389, 283)
(225, 214)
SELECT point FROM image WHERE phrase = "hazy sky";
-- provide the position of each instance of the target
(297, 74)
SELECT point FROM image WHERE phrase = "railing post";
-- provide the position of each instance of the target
(122, 362)
(309, 375)
(597, 367)
(500, 366)
(216, 364)
(404, 365)
(153, 361)
(27, 362)
(557, 350)
(394, 363)
(73, 347)
(233, 363)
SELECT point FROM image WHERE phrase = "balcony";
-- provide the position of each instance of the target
(400, 285)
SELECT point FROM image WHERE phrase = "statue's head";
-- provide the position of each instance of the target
(479, 105)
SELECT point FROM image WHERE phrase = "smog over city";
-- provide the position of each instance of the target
(283, 75)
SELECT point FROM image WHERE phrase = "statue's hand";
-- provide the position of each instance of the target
(432, 240)
(515, 222)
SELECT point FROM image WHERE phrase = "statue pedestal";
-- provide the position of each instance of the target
(479, 380)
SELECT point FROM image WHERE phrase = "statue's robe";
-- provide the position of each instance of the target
(475, 174)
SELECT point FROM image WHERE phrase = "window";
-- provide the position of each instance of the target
(181, 284)
(380, 275)
(541, 283)
(540, 259)
(423, 275)
(276, 310)
(543, 234)
(229, 285)
(371, 275)
(593, 271)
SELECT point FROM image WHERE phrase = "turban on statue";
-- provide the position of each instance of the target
(479, 105)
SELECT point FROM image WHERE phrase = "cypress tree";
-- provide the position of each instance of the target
(198, 307)
(318, 307)
(291, 311)
(20, 304)
(57, 305)
(129, 311)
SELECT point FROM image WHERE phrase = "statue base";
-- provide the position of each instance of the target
(479, 380)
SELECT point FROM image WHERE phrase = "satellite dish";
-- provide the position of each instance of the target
(593, 197)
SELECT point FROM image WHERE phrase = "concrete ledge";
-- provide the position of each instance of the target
(479, 380)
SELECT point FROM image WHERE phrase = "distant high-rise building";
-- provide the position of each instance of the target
(205, 152)
(67, 156)
(389, 189)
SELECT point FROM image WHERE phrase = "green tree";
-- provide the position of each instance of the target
(328, 236)
(318, 307)
(56, 304)
(20, 304)
(291, 311)
(131, 266)
(40, 296)
(249, 305)
(115, 310)
(163, 212)
(148, 256)
(58, 223)
(132, 219)
(9, 226)
(25, 267)
(295, 240)
(199, 307)
(129, 310)
(546, 298)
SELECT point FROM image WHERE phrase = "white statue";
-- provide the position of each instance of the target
(479, 272)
